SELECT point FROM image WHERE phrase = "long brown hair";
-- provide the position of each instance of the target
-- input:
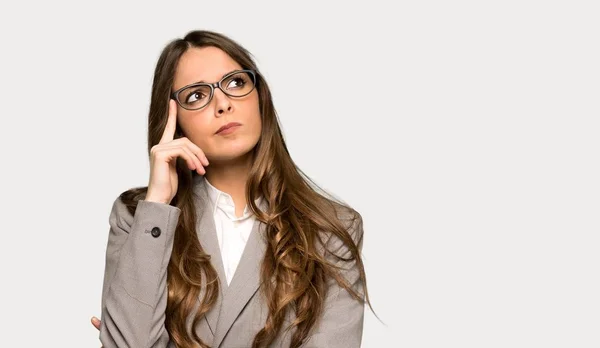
(298, 218)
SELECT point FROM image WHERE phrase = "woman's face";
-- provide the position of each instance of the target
(210, 64)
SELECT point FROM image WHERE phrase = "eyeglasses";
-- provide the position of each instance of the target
(236, 84)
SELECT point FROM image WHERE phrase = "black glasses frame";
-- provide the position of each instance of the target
(175, 95)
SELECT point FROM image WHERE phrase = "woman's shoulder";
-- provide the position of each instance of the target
(346, 214)
(350, 220)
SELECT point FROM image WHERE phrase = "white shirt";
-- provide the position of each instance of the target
(232, 231)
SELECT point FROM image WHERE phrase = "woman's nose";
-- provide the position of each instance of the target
(223, 104)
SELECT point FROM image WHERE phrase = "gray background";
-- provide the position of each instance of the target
(465, 132)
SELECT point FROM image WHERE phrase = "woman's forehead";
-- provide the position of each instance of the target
(206, 64)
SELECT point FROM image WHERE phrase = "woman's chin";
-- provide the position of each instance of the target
(230, 156)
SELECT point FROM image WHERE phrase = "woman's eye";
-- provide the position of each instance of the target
(236, 82)
(194, 96)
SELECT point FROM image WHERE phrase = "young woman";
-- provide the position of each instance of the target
(229, 245)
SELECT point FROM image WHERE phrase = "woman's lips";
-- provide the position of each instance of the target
(228, 128)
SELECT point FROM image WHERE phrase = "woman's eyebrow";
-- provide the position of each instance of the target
(227, 73)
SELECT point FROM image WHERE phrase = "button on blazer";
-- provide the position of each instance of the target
(134, 293)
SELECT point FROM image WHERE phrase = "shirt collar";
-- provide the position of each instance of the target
(224, 200)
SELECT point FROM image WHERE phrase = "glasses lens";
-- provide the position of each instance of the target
(194, 97)
(239, 84)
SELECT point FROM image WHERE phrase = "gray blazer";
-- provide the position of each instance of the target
(134, 294)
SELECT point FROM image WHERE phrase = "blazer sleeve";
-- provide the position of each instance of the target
(342, 322)
(134, 293)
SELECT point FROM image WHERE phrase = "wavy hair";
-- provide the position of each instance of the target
(297, 219)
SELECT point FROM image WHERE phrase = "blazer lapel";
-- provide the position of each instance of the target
(207, 234)
(245, 281)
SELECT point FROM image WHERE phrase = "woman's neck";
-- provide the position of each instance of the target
(231, 178)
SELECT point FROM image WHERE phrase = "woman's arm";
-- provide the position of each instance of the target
(134, 293)
(342, 322)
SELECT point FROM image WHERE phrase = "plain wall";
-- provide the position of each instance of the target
(464, 132)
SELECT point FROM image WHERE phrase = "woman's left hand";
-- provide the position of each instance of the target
(96, 322)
